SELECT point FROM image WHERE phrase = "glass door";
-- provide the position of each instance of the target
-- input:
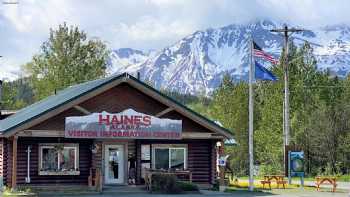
(114, 164)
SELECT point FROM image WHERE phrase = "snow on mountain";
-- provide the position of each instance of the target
(197, 63)
(127, 59)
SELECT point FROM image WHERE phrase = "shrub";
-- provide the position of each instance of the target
(166, 183)
(216, 185)
(187, 186)
(270, 169)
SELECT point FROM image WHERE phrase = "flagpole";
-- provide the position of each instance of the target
(251, 119)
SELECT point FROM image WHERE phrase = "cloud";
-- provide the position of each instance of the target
(146, 24)
(39, 16)
(309, 13)
(9, 69)
(148, 29)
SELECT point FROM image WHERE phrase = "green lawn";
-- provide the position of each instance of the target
(19, 192)
(289, 190)
(343, 178)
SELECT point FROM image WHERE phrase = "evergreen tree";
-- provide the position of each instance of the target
(16, 94)
(230, 108)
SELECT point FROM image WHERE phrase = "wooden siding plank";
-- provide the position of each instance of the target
(14, 162)
(2, 158)
(6, 159)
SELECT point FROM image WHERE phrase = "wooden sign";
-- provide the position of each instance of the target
(127, 124)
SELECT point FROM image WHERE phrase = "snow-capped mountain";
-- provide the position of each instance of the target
(126, 60)
(197, 63)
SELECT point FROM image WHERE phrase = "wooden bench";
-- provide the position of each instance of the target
(326, 181)
(263, 182)
(279, 179)
(281, 182)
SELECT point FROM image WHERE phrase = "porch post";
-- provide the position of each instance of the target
(14, 162)
(222, 168)
(138, 162)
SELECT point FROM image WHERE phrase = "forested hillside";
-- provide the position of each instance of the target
(319, 118)
(17, 94)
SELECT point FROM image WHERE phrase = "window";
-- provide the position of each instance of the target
(161, 158)
(49, 161)
(58, 159)
(170, 157)
(177, 158)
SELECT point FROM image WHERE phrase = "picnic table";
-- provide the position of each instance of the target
(326, 180)
(150, 172)
(279, 179)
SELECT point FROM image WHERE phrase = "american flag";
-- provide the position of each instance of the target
(258, 52)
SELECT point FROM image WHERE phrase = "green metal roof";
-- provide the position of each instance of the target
(50, 103)
(71, 93)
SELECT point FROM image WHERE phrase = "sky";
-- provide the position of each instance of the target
(144, 24)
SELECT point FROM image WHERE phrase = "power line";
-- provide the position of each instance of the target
(312, 43)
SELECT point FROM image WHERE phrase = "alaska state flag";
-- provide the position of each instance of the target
(263, 74)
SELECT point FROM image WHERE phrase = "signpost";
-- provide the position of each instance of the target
(296, 166)
(222, 161)
(127, 124)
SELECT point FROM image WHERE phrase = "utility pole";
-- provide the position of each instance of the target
(286, 124)
(1, 93)
(251, 119)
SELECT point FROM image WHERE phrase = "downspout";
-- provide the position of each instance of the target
(28, 164)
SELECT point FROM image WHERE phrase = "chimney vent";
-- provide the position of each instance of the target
(138, 75)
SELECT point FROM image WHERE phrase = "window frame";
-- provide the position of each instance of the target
(170, 147)
(74, 146)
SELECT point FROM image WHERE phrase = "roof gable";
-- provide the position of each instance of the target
(36, 110)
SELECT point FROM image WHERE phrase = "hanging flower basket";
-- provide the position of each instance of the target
(59, 147)
(95, 148)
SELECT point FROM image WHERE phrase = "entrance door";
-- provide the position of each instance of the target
(114, 164)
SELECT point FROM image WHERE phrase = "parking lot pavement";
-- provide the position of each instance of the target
(234, 194)
(340, 185)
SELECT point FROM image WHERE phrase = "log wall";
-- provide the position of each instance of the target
(2, 142)
(8, 161)
(84, 161)
(96, 162)
(199, 160)
(201, 155)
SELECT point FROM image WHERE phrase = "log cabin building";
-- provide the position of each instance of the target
(104, 126)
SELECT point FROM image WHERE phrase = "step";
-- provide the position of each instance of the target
(113, 189)
(62, 190)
